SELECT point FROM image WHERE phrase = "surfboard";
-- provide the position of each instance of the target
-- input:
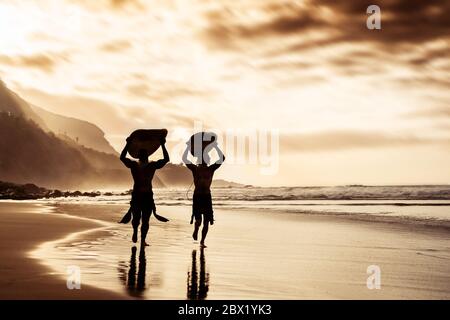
(127, 217)
(201, 142)
(147, 139)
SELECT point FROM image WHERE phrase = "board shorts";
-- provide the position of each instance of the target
(141, 206)
(202, 205)
(142, 201)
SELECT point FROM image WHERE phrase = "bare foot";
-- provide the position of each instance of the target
(202, 245)
(134, 238)
(195, 235)
(144, 243)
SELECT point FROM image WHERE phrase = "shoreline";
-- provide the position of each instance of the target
(412, 222)
(24, 277)
(319, 285)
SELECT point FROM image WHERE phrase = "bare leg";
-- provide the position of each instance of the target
(135, 222)
(134, 237)
(198, 222)
(145, 226)
(204, 232)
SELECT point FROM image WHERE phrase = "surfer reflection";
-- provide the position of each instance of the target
(134, 280)
(197, 281)
(142, 203)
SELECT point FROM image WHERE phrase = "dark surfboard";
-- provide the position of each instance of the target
(127, 217)
(147, 139)
(201, 142)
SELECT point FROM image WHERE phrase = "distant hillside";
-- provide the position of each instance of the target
(175, 175)
(116, 173)
(41, 147)
(85, 133)
(29, 154)
(12, 103)
(219, 183)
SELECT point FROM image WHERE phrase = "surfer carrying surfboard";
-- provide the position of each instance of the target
(142, 203)
(203, 174)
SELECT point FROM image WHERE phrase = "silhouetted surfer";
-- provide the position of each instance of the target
(202, 201)
(142, 203)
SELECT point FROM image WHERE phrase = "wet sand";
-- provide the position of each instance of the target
(24, 226)
(250, 255)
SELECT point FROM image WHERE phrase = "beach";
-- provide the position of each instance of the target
(24, 226)
(251, 254)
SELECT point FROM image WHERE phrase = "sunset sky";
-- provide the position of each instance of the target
(352, 105)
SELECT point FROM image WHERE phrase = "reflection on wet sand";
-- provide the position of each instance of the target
(198, 282)
(135, 284)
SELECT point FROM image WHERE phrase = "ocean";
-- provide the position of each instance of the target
(429, 204)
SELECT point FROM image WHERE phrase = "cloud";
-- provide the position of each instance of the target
(43, 62)
(403, 21)
(357, 63)
(225, 29)
(165, 117)
(169, 90)
(424, 80)
(429, 56)
(284, 64)
(116, 46)
(351, 139)
(116, 5)
(120, 3)
(433, 112)
(407, 26)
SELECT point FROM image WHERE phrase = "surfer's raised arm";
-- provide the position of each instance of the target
(185, 155)
(220, 153)
(219, 162)
(123, 155)
(161, 163)
(185, 159)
